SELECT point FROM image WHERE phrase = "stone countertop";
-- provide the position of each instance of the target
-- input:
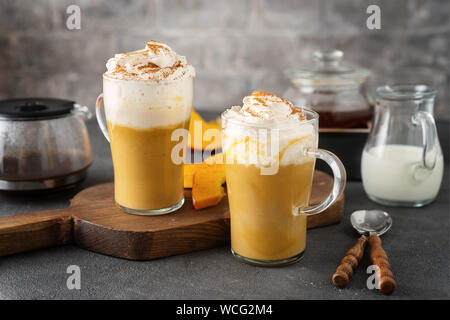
(417, 246)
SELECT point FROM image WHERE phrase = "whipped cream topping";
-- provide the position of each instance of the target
(263, 107)
(156, 62)
(259, 146)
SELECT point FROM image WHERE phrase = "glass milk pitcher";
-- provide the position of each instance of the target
(402, 162)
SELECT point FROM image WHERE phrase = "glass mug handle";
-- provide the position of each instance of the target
(98, 113)
(429, 134)
(340, 178)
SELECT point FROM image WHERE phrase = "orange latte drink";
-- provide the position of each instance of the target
(270, 149)
(148, 98)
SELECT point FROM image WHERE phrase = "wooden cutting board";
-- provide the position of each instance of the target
(94, 222)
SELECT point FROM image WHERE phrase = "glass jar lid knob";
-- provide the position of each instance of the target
(328, 57)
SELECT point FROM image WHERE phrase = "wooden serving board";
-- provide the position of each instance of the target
(94, 222)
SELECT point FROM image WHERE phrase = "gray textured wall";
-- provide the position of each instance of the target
(235, 45)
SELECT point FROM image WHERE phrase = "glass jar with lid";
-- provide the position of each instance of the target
(335, 90)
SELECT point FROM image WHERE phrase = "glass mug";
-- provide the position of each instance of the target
(269, 210)
(141, 117)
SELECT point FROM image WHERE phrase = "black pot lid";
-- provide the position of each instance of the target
(34, 108)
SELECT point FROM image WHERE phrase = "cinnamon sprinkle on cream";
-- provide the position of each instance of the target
(156, 62)
(268, 106)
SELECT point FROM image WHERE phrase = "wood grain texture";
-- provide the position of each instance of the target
(109, 230)
(349, 263)
(93, 221)
(35, 230)
(379, 258)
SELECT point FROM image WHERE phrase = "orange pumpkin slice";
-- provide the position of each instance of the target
(207, 189)
(189, 170)
(206, 179)
(203, 135)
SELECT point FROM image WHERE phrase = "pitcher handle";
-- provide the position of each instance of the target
(98, 113)
(340, 178)
(429, 134)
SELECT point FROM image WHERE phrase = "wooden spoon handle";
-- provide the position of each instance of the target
(379, 258)
(345, 270)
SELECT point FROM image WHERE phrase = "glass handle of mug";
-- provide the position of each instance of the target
(429, 134)
(340, 178)
(98, 113)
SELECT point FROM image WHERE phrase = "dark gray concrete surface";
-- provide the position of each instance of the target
(417, 245)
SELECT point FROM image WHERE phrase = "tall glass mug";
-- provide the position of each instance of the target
(142, 114)
(269, 173)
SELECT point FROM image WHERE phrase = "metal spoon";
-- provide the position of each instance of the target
(370, 224)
